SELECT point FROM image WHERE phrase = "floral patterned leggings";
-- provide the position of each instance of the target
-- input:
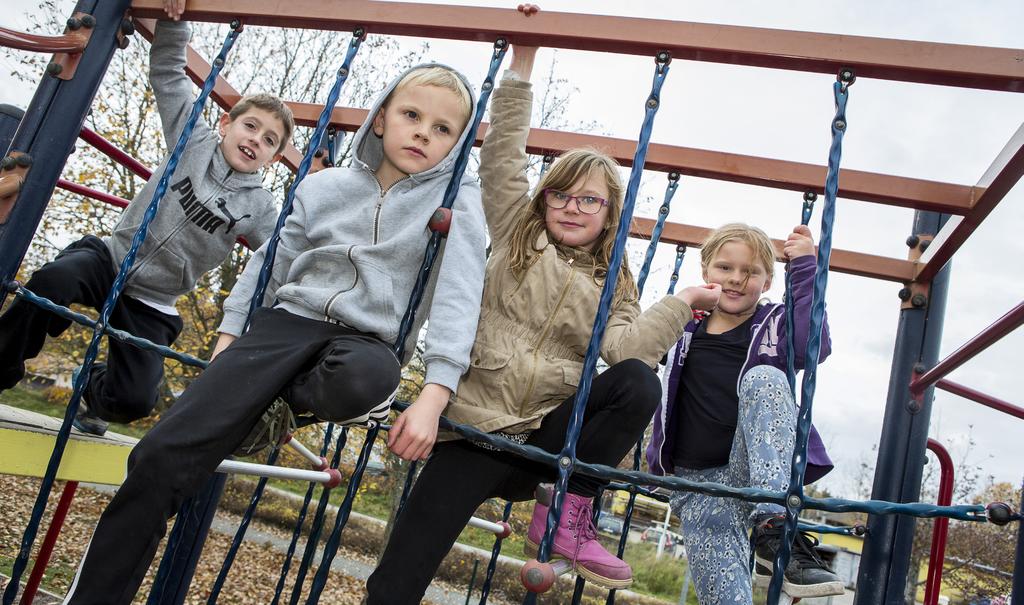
(715, 530)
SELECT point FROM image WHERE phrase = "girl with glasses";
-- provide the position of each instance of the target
(550, 253)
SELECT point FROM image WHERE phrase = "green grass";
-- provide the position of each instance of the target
(34, 400)
(56, 579)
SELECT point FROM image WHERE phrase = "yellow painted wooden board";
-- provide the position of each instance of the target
(27, 438)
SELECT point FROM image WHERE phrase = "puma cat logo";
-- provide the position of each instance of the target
(199, 214)
(232, 221)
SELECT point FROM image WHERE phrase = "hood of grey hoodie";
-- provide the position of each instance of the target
(351, 253)
(206, 207)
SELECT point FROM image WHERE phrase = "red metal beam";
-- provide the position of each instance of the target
(998, 180)
(46, 550)
(979, 397)
(941, 527)
(843, 261)
(89, 192)
(115, 153)
(71, 43)
(1001, 327)
(891, 190)
(752, 170)
(908, 61)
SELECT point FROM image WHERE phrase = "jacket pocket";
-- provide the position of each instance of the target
(160, 270)
(571, 373)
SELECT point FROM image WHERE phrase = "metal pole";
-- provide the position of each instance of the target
(1017, 591)
(185, 545)
(683, 594)
(50, 127)
(901, 451)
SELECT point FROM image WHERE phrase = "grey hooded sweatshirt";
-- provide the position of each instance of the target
(207, 206)
(350, 253)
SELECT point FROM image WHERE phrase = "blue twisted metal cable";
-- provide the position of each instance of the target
(307, 159)
(670, 191)
(680, 253)
(805, 217)
(546, 163)
(286, 566)
(416, 296)
(309, 551)
(500, 46)
(962, 512)
(485, 590)
(331, 548)
(21, 561)
(409, 476)
(121, 335)
(568, 454)
(794, 494)
(268, 261)
(236, 542)
(659, 226)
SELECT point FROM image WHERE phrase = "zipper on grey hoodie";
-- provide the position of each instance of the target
(221, 186)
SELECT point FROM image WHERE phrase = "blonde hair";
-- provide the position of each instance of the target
(758, 240)
(270, 104)
(565, 172)
(442, 77)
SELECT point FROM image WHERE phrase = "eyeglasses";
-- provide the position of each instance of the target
(587, 204)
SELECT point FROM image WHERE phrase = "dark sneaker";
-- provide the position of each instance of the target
(85, 419)
(276, 423)
(807, 575)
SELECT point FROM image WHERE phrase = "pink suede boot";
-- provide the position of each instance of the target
(576, 541)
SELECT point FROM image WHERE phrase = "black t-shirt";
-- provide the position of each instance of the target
(706, 401)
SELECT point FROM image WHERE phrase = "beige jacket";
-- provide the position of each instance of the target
(533, 333)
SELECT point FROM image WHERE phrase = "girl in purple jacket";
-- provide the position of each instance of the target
(728, 416)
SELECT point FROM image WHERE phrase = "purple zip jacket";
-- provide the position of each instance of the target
(767, 347)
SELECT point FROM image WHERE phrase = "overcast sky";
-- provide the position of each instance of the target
(902, 129)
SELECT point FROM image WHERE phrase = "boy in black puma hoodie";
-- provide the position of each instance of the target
(215, 196)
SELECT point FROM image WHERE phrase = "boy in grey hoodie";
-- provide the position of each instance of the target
(348, 257)
(215, 196)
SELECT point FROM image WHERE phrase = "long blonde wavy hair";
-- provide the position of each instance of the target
(565, 172)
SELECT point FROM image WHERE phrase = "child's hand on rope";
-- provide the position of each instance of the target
(174, 8)
(799, 243)
(413, 435)
(701, 298)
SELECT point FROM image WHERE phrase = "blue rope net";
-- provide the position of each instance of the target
(485, 590)
(408, 319)
(805, 217)
(674, 278)
(566, 458)
(794, 495)
(267, 269)
(100, 325)
(297, 532)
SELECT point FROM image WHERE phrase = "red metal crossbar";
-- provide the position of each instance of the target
(67, 43)
(89, 192)
(1002, 326)
(115, 153)
(979, 397)
(941, 527)
(902, 60)
(46, 550)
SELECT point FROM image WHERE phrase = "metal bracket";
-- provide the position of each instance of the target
(915, 295)
(13, 171)
(64, 65)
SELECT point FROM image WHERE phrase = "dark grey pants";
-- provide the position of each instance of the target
(459, 476)
(124, 388)
(336, 372)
